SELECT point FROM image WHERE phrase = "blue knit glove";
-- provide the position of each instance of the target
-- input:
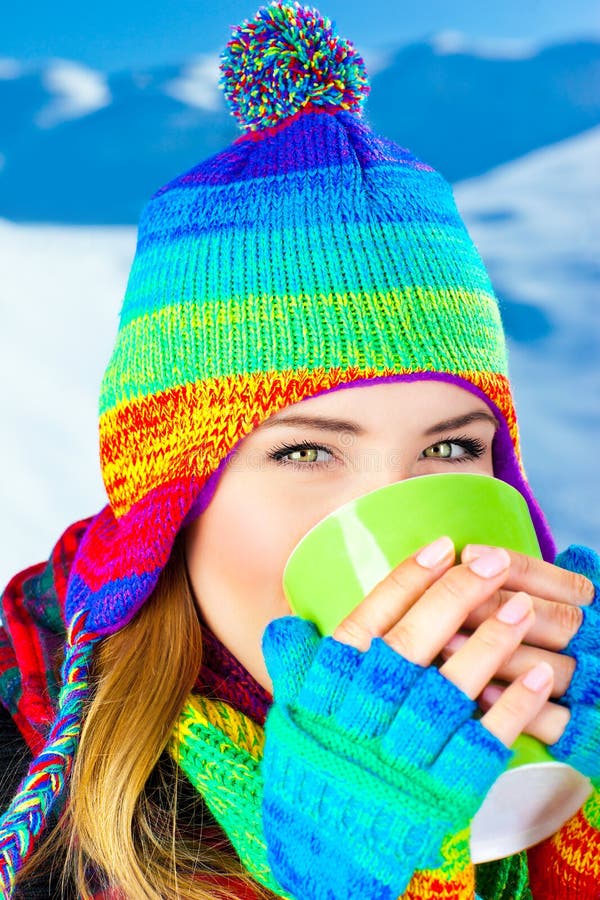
(579, 745)
(369, 763)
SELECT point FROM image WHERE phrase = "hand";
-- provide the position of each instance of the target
(373, 756)
(558, 597)
(420, 606)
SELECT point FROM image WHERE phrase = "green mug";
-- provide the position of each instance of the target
(341, 559)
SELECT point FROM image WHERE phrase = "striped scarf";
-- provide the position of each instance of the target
(218, 743)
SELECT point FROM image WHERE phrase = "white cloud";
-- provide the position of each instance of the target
(77, 89)
(198, 83)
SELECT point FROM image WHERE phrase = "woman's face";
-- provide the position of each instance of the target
(288, 474)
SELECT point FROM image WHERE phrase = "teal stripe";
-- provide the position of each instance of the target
(326, 258)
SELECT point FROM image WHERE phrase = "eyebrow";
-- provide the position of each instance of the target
(460, 421)
(324, 423)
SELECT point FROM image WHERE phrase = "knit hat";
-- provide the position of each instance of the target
(308, 256)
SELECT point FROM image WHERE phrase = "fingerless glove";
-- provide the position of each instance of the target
(579, 745)
(369, 763)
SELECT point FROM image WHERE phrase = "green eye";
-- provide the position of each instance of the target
(443, 450)
(459, 449)
(308, 454)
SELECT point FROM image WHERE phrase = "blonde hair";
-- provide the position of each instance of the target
(125, 822)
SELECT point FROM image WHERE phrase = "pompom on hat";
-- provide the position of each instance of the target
(308, 256)
(289, 59)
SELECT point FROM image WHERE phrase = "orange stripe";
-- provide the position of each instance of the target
(425, 885)
(453, 880)
(186, 431)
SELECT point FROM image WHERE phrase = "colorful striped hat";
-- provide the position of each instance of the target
(308, 256)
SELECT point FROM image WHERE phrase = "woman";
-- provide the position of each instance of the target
(311, 269)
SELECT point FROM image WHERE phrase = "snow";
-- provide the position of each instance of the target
(198, 84)
(60, 294)
(447, 43)
(77, 89)
(377, 59)
(536, 223)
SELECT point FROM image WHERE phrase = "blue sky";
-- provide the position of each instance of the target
(116, 34)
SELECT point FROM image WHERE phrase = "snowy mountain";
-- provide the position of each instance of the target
(83, 147)
(536, 222)
(466, 112)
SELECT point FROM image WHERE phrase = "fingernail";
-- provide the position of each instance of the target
(472, 551)
(433, 554)
(539, 677)
(490, 563)
(491, 693)
(455, 643)
(515, 610)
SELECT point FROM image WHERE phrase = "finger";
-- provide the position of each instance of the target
(393, 596)
(523, 658)
(549, 724)
(519, 704)
(289, 646)
(482, 654)
(541, 578)
(430, 623)
(552, 628)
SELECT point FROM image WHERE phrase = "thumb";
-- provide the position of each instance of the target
(289, 647)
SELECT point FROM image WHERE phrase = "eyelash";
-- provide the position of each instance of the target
(474, 447)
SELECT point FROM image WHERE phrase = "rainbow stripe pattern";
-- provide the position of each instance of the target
(220, 749)
(310, 255)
